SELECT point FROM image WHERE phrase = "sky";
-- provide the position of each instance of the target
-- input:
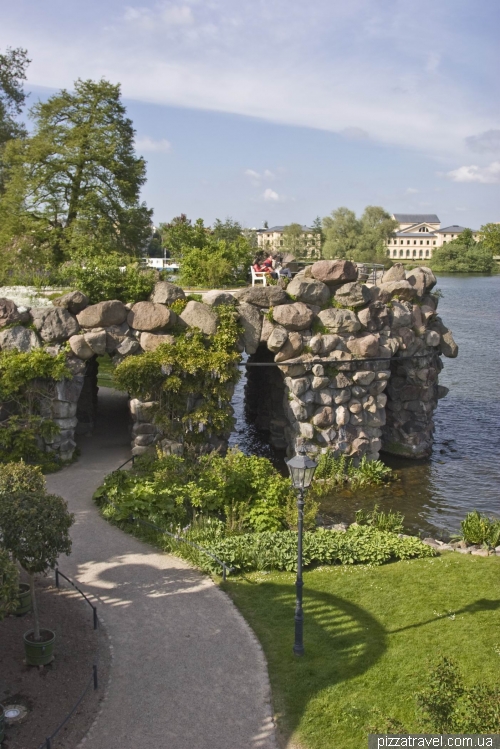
(283, 110)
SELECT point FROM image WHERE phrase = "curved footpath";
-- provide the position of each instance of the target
(187, 671)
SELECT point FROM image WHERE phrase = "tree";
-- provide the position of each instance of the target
(9, 585)
(294, 240)
(342, 231)
(362, 240)
(490, 237)
(13, 66)
(35, 529)
(217, 264)
(317, 228)
(180, 233)
(463, 255)
(74, 184)
(229, 230)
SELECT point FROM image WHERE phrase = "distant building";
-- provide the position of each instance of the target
(272, 240)
(419, 234)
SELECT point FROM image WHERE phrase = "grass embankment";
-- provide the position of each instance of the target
(371, 635)
(105, 375)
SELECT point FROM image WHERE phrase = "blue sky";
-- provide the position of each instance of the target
(282, 110)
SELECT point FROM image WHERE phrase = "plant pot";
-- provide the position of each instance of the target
(24, 600)
(42, 652)
(2, 723)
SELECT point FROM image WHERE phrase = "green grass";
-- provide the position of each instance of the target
(105, 376)
(371, 636)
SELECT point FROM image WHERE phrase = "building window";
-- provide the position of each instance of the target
(420, 253)
(414, 241)
(407, 241)
(402, 241)
(427, 253)
(427, 241)
(421, 241)
(414, 253)
(407, 253)
(434, 242)
(401, 253)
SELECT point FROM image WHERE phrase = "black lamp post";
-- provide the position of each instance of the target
(301, 469)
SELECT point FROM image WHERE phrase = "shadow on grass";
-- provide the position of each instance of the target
(342, 641)
(482, 604)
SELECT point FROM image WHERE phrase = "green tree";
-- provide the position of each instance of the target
(229, 230)
(463, 255)
(74, 184)
(294, 240)
(13, 66)
(490, 237)
(35, 529)
(217, 264)
(9, 585)
(180, 233)
(317, 228)
(342, 231)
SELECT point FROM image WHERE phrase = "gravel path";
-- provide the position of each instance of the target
(187, 671)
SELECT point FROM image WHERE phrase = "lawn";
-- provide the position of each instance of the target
(105, 376)
(371, 634)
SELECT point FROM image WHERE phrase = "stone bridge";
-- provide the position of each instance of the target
(344, 365)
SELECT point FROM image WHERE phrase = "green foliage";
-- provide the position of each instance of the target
(179, 306)
(278, 551)
(13, 64)
(228, 230)
(294, 240)
(74, 184)
(449, 706)
(196, 394)
(490, 238)
(20, 477)
(9, 584)
(247, 492)
(362, 240)
(24, 387)
(464, 255)
(109, 276)
(332, 471)
(218, 263)
(384, 521)
(480, 529)
(180, 233)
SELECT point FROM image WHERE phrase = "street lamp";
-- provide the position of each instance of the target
(301, 469)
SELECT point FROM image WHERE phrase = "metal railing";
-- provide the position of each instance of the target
(93, 680)
(368, 271)
(226, 569)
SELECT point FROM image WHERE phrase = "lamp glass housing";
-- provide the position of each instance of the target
(301, 469)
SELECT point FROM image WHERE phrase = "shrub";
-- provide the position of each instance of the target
(480, 529)
(332, 471)
(245, 491)
(384, 521)
(109, 276)
(278, 551)
(9, 582)
(35, 527)
(20, 477)
(217, 263)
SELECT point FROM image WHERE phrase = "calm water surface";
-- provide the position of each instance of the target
(464, 470)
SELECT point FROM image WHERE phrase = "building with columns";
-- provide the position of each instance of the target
(271, 240)
(418, 235)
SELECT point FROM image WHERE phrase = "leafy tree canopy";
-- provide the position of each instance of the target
(217, 264)
(229, 230)
(74, 184)
(180, 233)
(490, 237)
(294, 240)
(363, 239)
(463, 255)
(13, 66)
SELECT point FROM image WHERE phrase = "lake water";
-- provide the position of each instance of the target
(464, 470)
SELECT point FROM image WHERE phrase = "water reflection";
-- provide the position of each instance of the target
(463, 472)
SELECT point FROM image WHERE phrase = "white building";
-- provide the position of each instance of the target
(272, 240)
(418, 235)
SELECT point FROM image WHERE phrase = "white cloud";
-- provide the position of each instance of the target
(271, 196)
(145, 143)
(258, 60)
(411, 190)
(485, 175)
(256, 178)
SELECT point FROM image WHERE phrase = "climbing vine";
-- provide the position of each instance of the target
(25, 384)
(190, 380)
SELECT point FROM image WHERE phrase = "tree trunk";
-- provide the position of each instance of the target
(35, 608)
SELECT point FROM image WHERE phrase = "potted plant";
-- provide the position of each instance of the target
(8, 602)
(35, 529)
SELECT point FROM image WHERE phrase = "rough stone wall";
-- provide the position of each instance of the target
(359, 362)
